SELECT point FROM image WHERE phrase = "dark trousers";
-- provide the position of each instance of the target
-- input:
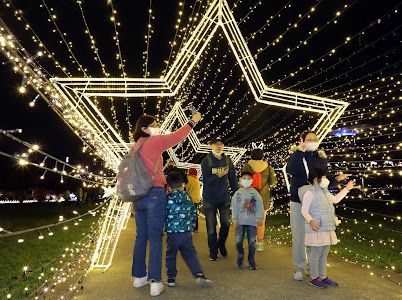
(196, 217)
(210, 215)
(182, 242)
(239, 237)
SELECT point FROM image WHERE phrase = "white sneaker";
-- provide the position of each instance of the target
(140, 281)
(260, 247)
(298, 276)
(156, 289)
(203, 281)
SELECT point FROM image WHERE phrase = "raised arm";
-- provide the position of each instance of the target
(164, 142)
(338, 197)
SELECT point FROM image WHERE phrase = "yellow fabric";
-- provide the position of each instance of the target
(258, 165)
(193, 189)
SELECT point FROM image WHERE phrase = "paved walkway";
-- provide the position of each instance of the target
(271, 281)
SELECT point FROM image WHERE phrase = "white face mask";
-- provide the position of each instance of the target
(217, 153)
(246, 183)
(312, 146)
(324, 182)
(154, 131)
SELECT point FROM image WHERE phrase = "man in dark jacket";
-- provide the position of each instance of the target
(305, 157)
(217, 172)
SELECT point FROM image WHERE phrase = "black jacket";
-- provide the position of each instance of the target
(215, 189)
(296, 169)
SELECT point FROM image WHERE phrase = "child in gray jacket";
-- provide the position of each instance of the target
(247, 213)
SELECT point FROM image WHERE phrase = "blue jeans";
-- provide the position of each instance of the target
(149, 213)
(251, 237)
(210, 216)
(182, 242)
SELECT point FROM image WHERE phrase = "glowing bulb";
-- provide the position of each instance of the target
(22, 89)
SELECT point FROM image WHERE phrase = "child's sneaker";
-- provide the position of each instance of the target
(298, 276)
(253, 267)
(213, 257)
(171, 282)
(260, 247)
(329, 282)
(139, 282)
(203, 281)
(317, 283)
(156, 288)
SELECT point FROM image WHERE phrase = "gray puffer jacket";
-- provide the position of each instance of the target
(321, 210)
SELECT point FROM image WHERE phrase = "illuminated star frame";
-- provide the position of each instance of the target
(217, 16)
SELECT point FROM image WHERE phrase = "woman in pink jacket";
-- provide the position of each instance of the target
(150, 211)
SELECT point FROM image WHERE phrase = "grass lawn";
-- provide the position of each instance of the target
(34, 253)
(361, 242)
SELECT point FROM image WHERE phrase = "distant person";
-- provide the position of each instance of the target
(264, 179)
(306, 157)
(247, 214)
(217, 172)
(150, 211)
(180, 221)
(319, 214)
(193, 189)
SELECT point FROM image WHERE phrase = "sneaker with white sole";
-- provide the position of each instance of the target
(171, 282)
(298, 276)
(139, 282)
(260, 247)
(156, 288)
(203, 281)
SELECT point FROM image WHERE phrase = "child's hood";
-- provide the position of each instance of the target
(258, 165)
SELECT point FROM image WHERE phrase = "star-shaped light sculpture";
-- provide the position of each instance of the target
(217, 16)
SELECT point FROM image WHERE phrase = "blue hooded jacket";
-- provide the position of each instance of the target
(215, 189)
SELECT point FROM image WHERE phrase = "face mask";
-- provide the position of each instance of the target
(217, 153)
(154, 131)
(312, 146)
(324, 182)
(246, 183)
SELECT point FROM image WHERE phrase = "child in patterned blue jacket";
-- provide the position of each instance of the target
(180, 221)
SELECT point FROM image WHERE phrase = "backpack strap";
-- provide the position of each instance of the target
(157, 163)
(209, 160)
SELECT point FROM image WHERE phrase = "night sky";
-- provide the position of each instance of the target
(370, 55)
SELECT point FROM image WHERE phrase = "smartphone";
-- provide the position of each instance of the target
(192, 109)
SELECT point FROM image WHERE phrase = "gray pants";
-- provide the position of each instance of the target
(297, 225)
(318, 261)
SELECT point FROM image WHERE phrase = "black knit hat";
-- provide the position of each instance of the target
(257, 154)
